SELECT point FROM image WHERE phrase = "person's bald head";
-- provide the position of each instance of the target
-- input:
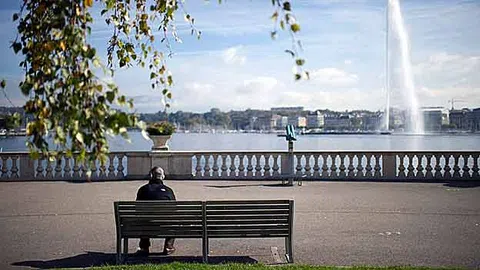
(157, 174)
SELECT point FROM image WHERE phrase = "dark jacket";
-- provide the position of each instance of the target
(155, 190)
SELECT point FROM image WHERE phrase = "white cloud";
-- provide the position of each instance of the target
(259, 85)
(231, 56)
(333, 77)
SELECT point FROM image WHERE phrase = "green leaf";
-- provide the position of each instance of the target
(79, 137)
(298, 77)
(16, 47)
(3, 83)
(295, 27)
(170, 79)
(169, 95)
(110, 96)
(15, 16)
(286, 6)
(300, 62)
(165, 91)
(153, 75)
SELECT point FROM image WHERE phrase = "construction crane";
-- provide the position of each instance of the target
(453, 101)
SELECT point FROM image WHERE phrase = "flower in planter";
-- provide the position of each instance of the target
(161, 128)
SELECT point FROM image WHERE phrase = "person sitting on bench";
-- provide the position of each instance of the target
(155, 190)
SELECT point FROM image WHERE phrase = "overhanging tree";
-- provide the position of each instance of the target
(68, 99)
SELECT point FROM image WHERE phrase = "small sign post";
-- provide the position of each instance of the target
(291, 136)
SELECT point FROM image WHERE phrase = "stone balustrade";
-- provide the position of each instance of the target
(254, 165)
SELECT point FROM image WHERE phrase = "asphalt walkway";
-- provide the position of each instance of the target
(61, 224)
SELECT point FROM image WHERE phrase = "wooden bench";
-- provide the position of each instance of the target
(204, 220)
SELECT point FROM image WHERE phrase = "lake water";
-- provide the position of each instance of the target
(252, 141)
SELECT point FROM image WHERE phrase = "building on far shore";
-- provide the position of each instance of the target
(434, 118)
(315, 120)
(287, 109)
(337, 122)
(459, 119)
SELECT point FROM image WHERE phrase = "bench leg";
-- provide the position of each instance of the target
(125, 246)
(205, 250)
(119, 250)
(289, 249)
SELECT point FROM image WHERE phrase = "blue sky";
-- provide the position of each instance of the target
(236, 65)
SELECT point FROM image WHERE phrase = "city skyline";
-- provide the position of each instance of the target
(237, 66)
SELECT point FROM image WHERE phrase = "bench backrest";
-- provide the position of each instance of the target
(232, 219)
(159, 219)
(193, 219)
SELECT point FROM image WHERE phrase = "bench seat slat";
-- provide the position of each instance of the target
(160, 208)
(249, 227)
(246, 207)
(245, 202)
(159, 213)
(260, 217)
(240, 222)
(247, 236)
(162, 235)
(247, 212)
(123, 203)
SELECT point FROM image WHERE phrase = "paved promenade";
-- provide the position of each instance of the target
(60, 224)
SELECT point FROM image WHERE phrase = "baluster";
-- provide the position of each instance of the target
(4, 167)
(438, 168)
(447, 174)
(360, 172)
(410, 167)
(429, 168)
(258, 168)
(351, 168)
(298, 168)
(308, 168)
(316, 168)
(206, 168)
(475, 168)
(342, 168)
(249, 165)
(420, 172)
(369, 168)
(49, 169)
(241, 167)
(120, 168)
(324, 166)
(14, 169)
(84, 169)
(58, 167)
(93, 168)
(465, 169)
(456, 168)
(233, 168)
(275, 165)
(215, 168)
(76, 168)
(103, 171)
(111, 167)
(266, 168)
(333, 168)
(40, 168)
(198, 168)
(377, 167)
(224, 168)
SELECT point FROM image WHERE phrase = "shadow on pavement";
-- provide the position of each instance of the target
(463, 184)
(90, 259)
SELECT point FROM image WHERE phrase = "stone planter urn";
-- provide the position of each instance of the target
(160, 142)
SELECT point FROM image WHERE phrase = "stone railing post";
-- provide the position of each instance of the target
(138, 165)
(177, 165)
(389, 166)
(27, 168)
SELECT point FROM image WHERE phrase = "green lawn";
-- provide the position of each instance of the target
(186, 266)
